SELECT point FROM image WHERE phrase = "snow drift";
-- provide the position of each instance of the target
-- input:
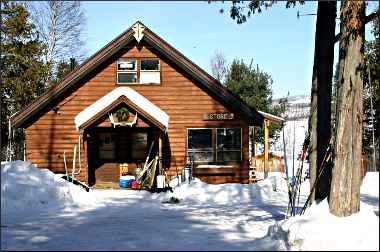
(25, 188)
(274, 188)
(318, 229)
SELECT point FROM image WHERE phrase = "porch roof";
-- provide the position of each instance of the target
(132, 96)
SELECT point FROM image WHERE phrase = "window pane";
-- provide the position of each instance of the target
(200, 144)
(106, 146)
(228, 139)
(228, 155)
(149, 77)
(199, 139)
(127, 77)
(139, 143)
(152, 65)
(125, 65)
(201, 155)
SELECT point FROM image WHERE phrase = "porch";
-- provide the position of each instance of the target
(122, 133)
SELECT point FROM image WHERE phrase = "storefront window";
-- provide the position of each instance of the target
(228, 144)
(199, 144)
(224, 142)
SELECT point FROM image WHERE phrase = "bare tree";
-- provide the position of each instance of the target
(61, 26)
(219, 66)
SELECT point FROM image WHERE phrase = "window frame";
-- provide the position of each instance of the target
(241, 145)
(149, 71)
(127, 71)
(214, 145)
(138, 71)
(113, 143)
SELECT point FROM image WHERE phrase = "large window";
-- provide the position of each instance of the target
(199, 144)
(214, 145)
(144, 71)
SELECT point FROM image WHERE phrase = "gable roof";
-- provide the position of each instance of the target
(207, 81)
(122, 94)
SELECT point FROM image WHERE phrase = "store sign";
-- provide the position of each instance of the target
(218, 116)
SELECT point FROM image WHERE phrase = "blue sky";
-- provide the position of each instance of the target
(280, 43)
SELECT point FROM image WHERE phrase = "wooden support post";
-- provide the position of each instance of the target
(266, 147)
(160, 153)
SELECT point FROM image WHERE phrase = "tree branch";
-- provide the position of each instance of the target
(368, 18)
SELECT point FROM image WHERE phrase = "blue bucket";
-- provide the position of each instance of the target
(124, 183)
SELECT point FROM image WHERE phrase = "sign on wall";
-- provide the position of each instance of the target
(218, 116)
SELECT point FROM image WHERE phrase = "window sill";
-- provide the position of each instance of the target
(215, 169)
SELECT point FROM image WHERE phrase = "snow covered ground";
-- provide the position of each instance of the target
(40, 211)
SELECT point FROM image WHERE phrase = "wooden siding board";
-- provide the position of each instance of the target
(182, 99)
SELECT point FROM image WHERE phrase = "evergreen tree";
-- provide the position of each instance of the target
(64, 68)
(345, 184)
(254, 86)
(371, 90)
(22, 70)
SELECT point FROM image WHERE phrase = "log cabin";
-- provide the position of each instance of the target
(134, 99)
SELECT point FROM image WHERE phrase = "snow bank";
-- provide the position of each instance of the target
(25, 188)
(318, 229)
(370, 184)
(274, 188)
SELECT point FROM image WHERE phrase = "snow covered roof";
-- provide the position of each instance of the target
(136, 98)
(271, 117)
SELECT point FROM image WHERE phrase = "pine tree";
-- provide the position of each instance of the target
(254, 86)
(345, 184)
(22, 70)
(371, 90)
(63, 69)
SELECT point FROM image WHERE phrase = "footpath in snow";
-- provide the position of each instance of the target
(40, 211)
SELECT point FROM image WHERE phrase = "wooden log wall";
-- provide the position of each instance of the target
(178, 95)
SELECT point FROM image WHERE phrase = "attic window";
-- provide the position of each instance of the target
(150, 71)
(133, 71)
(126, 71)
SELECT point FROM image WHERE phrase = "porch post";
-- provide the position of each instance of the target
(266, 147)
(160, 152)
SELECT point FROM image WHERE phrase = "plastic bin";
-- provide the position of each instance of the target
(125, 181)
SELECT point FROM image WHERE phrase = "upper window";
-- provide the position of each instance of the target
(131, 71)
(127, 71)
(150, 71)
(150, 65)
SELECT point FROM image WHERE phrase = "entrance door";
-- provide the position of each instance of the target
(110, 147)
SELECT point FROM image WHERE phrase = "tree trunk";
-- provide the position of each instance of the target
(345, 187)
(320, 114)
